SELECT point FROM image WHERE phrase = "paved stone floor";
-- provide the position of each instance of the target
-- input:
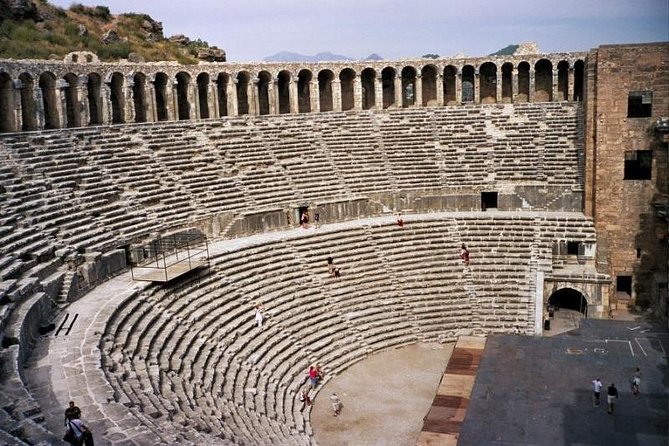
(536, 391)
(385, 398)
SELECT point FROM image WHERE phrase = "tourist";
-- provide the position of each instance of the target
(337, 273)
(72, 413)
(319, 372)
(636, 381)
(304, 220)
(464, 254)
(77, 433)
(313, 377)
(331, 266)
(317, 220)
(596, 390)
(516, 330)
(611, 396)
(304, 399)
(259, 315)
(336, 404)
(400, 220)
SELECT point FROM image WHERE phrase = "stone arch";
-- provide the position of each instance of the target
(264, 81)
(468, 87)
(569, 298)
(367, 80)
(6, 103)
(71, 100)
(579, 80)
(222, 82)
(139, 96)
(523, 82)
(450, 74)
(346, 79)
(160, 87)
(429, 85)
(325, 78)
(408, 86)
(243, 79)
(202, 81)
(507, 83)
(283, 84)
(304, 78)
(117, 98)
(183, 103)
(543, 81)
(488, 83)
(93, 90)
(47, 84)
(563, 80)
(388, 75)
(28, 108)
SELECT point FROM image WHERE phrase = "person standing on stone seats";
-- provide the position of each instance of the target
(464, 254)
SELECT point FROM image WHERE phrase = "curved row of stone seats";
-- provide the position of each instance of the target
(191, 355)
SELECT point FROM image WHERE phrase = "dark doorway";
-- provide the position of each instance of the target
(488, 200)
(624, 284)
(570, 299)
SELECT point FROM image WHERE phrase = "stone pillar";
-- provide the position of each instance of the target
(570, 84)
(39, 106)
(514, 85)
(357, 93)
(315, 97)
(275, 98)
(539, 304)
(174, 101)
(477, 87)
(212, 88)
(82, 100)
(293, 96)
(378, 92)
(152, 111)
(105, 99)
(17, 85)
(554, 79)
(458, 86)
(532, 85)
(336, 95)
(251, 94)
(498, 88)
(440, 90)
(61, 104)
(231, 94)
(129, 102)
(418, 94)
(399, 94)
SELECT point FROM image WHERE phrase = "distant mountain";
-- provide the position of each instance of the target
(287, 56)
(373, 56)
(506, 51)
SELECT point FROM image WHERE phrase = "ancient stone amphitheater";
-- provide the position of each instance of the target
(99, 161)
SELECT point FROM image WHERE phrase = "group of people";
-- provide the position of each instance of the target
(315, 376)
(304, 220)
(77, 433)
(612, 391)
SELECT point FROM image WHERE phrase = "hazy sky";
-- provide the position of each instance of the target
(250, 30)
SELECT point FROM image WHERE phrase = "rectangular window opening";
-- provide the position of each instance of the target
(572, 248)
(639, 104)
(624, 284)
(638, 164)
(488, 200)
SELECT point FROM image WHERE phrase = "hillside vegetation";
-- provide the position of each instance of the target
(39, 30)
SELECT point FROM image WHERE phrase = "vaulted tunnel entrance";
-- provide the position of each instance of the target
(570, 299)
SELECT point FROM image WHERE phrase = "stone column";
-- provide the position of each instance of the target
(399, 94)
(17, 85)
(418, 94)
(498, 87)
(315, 97)
(61, 103)
(570, 84)
(213, 102)
(152, 110)
(477, 87)
(231, 94)
(514, 85)
(554, 79)
(357, 92)
(174, 101)
(82, 99)
(532, 86)
(39, 106)
(458, 86)
(336, 95)
(378, 92)
(105, 99)
(440, 90)
(275, 98)
(129, 102)
(251, 94)
(293, 96)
